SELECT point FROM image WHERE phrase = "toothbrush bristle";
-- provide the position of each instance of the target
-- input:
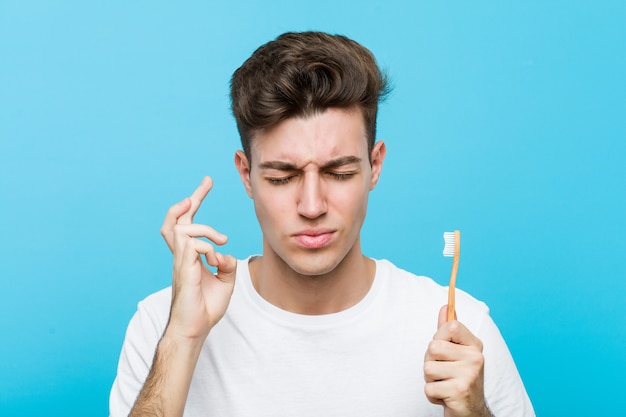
(448, 249)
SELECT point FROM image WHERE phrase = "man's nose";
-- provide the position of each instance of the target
(312, 200)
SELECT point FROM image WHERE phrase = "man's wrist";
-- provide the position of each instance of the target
(175, 343)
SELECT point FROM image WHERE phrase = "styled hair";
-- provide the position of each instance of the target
(300, 74)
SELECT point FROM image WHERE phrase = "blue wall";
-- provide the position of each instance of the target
(507, 122)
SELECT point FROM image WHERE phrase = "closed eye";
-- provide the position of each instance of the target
(341, 175)
(279, 180)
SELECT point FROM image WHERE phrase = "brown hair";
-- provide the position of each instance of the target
(300, 74)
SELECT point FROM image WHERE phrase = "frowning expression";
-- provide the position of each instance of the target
(310, 179)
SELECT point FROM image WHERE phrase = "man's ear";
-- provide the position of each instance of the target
(378, 156)
(243, 166)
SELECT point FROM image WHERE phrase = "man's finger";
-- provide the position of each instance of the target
(184, 232)
(174, 212)
(196, 200)
(194, 247)
(438, 391)
(435, 370)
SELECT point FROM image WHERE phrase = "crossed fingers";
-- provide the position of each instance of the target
(182, 213)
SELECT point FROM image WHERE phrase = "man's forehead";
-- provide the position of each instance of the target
(304, 155)
(325, 136)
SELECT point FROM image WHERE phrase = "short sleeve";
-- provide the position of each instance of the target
(142, 336)
(504, 389)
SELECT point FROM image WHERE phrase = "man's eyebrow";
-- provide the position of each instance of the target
(278, 165)
(287, 166)
(344, 160)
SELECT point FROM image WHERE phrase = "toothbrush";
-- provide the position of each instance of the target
(452, 248)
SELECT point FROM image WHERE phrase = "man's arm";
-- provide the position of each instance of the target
(453, 370)
(199, 300)
(165, 391)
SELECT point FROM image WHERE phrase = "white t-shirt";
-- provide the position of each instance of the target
(365, 361)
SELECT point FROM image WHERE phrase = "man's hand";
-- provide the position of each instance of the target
(453, 370)
(199, 300)
(199, 296)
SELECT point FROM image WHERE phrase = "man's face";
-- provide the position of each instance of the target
(310, 179)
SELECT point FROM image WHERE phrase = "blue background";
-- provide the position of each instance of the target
(507, 121)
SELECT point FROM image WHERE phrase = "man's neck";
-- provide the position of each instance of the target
(335, 291)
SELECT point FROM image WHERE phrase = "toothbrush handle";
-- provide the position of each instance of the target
(455, 268)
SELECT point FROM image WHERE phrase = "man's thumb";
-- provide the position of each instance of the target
(226, 267)
(443, 316)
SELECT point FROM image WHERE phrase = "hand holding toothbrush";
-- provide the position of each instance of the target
(453, 364)
(453, 370)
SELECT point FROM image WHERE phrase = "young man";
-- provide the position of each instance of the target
(312, 327)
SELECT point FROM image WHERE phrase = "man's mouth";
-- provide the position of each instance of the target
(314, 239)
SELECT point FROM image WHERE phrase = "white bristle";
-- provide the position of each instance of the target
(448, 249)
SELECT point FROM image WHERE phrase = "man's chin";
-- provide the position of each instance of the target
(312, 266)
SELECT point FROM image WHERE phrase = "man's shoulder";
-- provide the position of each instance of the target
(162, 296)
(395, 275)
(420, 287)
(157, 304)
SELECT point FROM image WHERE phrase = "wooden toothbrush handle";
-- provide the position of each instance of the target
(455, 267)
